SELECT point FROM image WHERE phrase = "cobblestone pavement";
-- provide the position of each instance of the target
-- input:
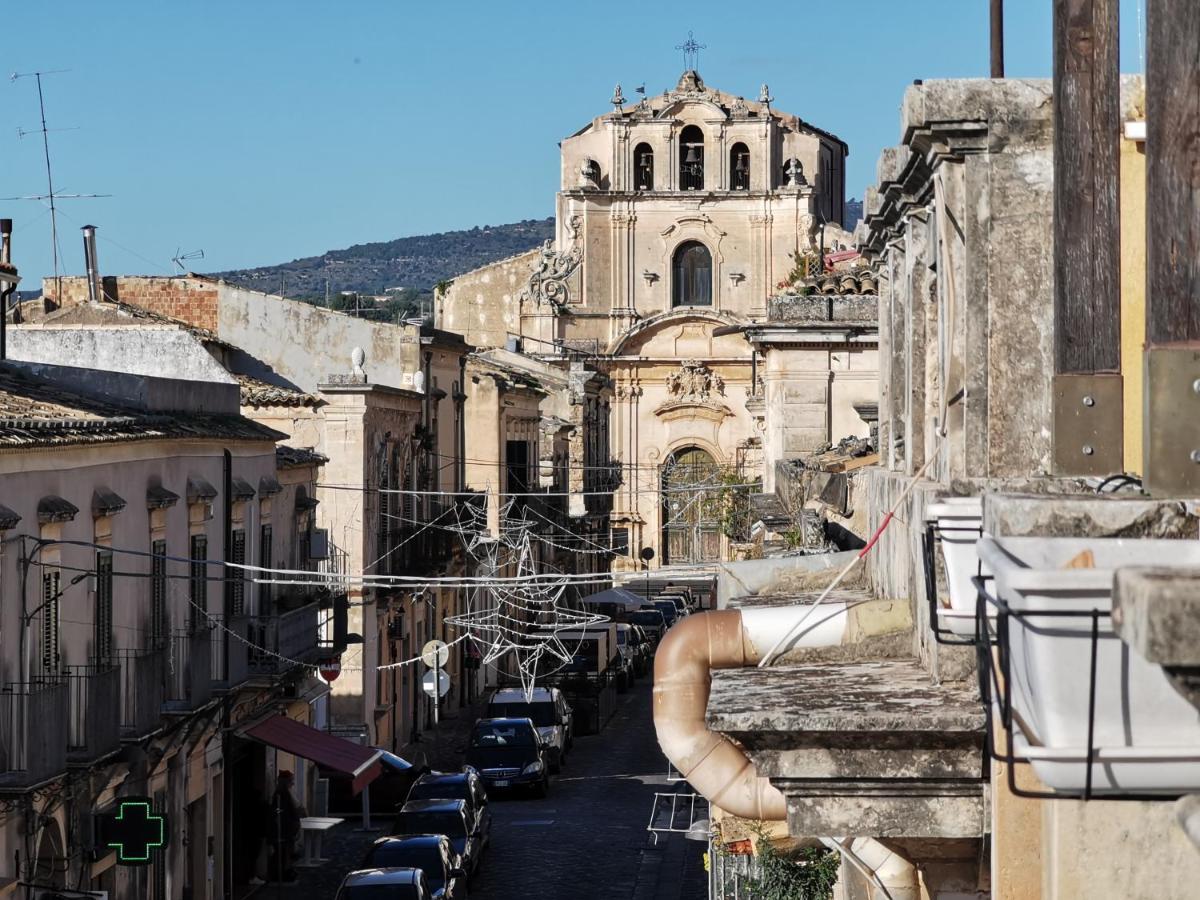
(586, 841)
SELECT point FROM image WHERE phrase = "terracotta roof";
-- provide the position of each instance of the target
(256, 392)
(287, 457)
(38, 413)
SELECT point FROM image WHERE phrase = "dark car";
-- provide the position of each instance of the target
(549, 711)
(385, 884)
(669, 610)
(466, 786)
(651, 620)
(448, 817)
(508, 753)
(431, 853)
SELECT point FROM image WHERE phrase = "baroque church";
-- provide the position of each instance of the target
(680, 222)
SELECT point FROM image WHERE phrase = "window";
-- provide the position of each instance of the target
(198, 583)
(104, 600)
(692, 275)
(517, 464)
(643, 168)
(237, 576)
(51, 591)
(265, 559)
(158, 593)
(691, 159)
(739, 167)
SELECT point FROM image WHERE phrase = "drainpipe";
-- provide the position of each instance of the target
(714, 765)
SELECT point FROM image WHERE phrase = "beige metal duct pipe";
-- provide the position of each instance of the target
(725, 639)
(713, 764)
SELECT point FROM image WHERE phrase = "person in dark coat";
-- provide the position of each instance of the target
(285, 814)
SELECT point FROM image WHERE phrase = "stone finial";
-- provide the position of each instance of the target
(357, 357)
(618, 98)
(795, 172)
(764, 95)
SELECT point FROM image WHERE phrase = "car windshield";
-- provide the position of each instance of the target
(622, 637)
(449, 824)
(646, 617)
(667, 607)
(426, 857)
(379, 892)
(491, 734)
(541, 712)
(458, 789)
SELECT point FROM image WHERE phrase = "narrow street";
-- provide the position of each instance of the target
(586, 840)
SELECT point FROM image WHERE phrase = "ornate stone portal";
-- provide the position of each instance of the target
(694, 381)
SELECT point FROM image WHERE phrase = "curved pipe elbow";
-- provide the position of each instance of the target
(714, 765)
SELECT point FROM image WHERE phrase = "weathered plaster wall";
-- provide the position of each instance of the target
(483, 305)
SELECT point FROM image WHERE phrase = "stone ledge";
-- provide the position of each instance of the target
(885, 810)
(882, 697)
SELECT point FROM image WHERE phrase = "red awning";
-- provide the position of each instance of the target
(353, 760)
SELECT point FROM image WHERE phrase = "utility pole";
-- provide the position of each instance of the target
(997, 38)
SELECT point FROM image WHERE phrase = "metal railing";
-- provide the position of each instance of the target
(94, 692)
(142, 690)
(278, 641)
(189, 670)
(33, 730)
(229, 654)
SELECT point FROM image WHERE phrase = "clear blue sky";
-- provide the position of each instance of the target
(267, 130)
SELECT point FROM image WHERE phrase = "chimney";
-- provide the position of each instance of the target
(93, 267)
(5, 257)
(6, 241)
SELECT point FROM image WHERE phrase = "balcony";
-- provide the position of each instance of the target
(33, 731)
(229, 657)
(142, 677)
(283, 640)
(94, 692)
(189, 671)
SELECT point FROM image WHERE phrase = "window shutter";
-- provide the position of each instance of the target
(158, 594)
(104, 620)
(198, 583)
(237, 577)
(50, 589)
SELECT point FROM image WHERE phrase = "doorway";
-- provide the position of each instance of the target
(691, 508)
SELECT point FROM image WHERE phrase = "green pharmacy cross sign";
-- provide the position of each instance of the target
(135, 830)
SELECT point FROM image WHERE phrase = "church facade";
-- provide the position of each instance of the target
(680, 218)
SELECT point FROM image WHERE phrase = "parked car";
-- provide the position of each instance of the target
(643, 648)
(385, 884)
(448, 817)
(549, 712)
(509, 753)
(431, 853)
(669, 610)
(466, 786)
(651, 620)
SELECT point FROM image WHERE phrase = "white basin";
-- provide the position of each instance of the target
(959, 523)
(1146, 736)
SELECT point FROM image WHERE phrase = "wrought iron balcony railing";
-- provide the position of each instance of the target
(94, 692)
(142, 690)
(189, 670)
(33, 731)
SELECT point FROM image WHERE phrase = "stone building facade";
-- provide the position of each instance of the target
(678, 218)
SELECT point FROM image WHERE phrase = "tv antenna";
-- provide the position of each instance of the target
(180, 258)
(50, 196)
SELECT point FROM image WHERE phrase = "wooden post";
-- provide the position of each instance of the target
(997, 30)
(1087, 298)
(1172, 407)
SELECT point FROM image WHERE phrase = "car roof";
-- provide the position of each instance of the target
(517, 695)
(392, 875)
(417, 840)
(505, 720)
(434, 805)
(443, 778)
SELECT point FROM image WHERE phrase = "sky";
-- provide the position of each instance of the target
(264, 131)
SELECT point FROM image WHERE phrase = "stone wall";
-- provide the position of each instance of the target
(484, 305)
(190, 300)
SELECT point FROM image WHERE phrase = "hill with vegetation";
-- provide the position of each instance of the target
(409, 266)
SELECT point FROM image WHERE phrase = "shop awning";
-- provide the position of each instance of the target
(337, 754)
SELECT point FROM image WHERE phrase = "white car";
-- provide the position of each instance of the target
(549, 712)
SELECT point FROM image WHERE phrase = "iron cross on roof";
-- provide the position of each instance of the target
(691, 52)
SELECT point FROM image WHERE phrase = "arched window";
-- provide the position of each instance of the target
(643, 168)
(693, 275)
(691, 159)
(739, 167)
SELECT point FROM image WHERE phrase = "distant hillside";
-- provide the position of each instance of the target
(852, 214)
(416, 263)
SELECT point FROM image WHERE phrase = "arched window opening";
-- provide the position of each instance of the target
(691, 514)
(739, 167)
(643, 167)
(691, 159)
(692, 275)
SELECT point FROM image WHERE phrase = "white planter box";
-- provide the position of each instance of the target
(959, 522)
(1147, 737)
